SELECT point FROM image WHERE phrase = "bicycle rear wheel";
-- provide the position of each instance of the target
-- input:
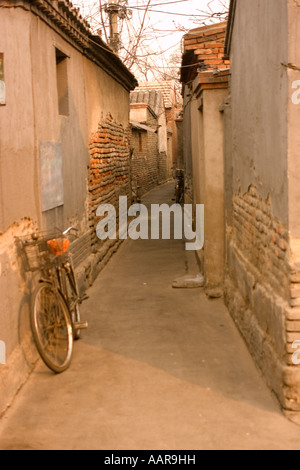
(178, 195)
(51, 327)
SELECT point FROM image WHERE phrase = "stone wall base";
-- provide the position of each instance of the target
(15, 373)
(268, 325)
(88, 270)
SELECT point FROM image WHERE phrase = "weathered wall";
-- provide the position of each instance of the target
(69, 130)
(293, 121)
(205, 46)
(211, 179)
(259, 100)
(261, 157)
(109, 179)
(179, 161)
(19, 199)
(208, 180)
(138, 162)
(171, 115)
(149, 161)
(144, 160)
(187, 145)
(18, 138)
(104, 96)
(204, 93)
(292, 374)
(30, 118)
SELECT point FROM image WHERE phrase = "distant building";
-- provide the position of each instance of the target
(149, 158)
(173, 106)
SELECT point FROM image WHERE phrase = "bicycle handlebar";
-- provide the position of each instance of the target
(70, 229)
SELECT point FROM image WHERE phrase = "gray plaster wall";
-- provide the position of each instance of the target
(18, 172)
(263, 249)
(293, 121)
(259, 91)
(31, 116)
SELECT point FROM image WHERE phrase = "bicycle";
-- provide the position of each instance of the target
(179, 187)
(54, 311)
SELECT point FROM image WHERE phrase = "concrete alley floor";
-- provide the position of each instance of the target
(158, 369)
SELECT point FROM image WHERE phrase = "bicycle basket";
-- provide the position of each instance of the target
(39, 250)
(58, 246)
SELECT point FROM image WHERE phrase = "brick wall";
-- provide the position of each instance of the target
(148, 166)
(152, 160)
(204, 47)
(109, 178)
(262, 238)
(208, 44)
(262, 292)
(204, 67)
(139, 166)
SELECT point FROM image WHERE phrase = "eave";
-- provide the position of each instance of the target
(229, 29)
(65, 20)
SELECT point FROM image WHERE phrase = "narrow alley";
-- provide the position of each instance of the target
(158, 368)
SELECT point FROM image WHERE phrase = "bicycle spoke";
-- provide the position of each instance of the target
(52, 327)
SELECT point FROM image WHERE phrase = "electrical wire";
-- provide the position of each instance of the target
(148, 56)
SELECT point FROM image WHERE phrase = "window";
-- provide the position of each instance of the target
(62, 83)
(140, 142)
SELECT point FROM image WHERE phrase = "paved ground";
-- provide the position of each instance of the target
(158, 369)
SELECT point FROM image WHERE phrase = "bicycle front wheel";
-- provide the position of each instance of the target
(51, 327)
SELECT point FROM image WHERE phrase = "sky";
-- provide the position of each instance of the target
(164, 27)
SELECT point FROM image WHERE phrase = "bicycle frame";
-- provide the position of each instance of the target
(61, 275)
(64, 271)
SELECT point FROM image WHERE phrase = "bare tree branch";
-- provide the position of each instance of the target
(143, 35)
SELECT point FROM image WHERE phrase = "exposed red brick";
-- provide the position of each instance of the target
(204, 45)
(109, 166)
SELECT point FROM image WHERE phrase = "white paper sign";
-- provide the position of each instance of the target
(2, 93)
(51, 175)
(2, 353)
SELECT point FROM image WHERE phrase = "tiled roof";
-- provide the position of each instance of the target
(166, 87)
(142, 127)
(152, 98)
(65, 19)
(60, 13)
